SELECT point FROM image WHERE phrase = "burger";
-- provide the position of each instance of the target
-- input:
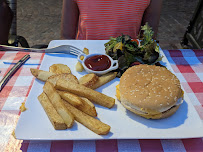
(150, 91)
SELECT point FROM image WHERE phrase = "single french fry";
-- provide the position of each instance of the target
(104, 79)
(80, 103)
(88, 93)
(59, 69)
(89, 80)
(91, 123)
(88, 102)
(88, 107)
(56, 120)
(22, 107)
(71, 98)
(86, 51)
(79, 67)
(56, 100)
(52, 79)
(40, 74)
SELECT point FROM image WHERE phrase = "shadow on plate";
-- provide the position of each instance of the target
(114, 108)
(163, 63)
(39, 81)
(61, 55)
(107, 136)
(173, 121)
(74, 127)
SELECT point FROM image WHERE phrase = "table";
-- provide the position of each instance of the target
(187, 64)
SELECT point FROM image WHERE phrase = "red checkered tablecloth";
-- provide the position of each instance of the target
(187, 64)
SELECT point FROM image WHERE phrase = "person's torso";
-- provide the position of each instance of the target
(100, 19)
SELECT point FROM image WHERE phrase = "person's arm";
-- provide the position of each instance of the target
(152, 15)
(5, 22)
(69, 20)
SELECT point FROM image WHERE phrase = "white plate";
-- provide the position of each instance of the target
(35, 125)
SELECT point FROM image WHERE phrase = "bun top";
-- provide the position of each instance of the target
(152, 89)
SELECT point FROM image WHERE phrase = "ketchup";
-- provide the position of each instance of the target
(98, 63)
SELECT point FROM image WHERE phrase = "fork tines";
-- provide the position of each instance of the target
(75, 50)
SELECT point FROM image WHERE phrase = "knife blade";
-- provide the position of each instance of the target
(13, 70)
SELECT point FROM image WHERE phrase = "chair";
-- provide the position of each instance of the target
(6, 16)
(9, 23)
(14, 39)
(193, 37)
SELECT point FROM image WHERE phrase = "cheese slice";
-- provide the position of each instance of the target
(118, 95)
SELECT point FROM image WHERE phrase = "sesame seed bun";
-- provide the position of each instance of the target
(150, 91)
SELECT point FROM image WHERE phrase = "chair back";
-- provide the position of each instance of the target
(6, 16)
(13, 5)
(194, 33)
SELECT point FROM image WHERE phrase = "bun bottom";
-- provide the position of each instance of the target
(162, 115)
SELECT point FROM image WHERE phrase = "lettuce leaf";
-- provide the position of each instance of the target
(130, 52)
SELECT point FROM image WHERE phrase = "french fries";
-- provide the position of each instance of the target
(91, 123)
(59, 69)
(56, 120)
(52, 79)
(104, 79)
(40, 74)
(88, 93)
(71, 98)
(56, 100)
(89, 80)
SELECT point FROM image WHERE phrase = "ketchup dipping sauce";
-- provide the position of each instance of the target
(98, 63)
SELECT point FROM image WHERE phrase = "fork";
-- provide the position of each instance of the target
(66, 49)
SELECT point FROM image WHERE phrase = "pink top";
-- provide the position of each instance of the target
(101, 19)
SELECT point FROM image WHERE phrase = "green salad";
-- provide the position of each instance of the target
(128, 51)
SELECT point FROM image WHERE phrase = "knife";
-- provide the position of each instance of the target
(13, 70)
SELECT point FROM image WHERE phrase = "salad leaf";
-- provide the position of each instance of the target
(127, 51)
(147, 34)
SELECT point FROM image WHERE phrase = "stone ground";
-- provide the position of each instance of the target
(39, 21)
